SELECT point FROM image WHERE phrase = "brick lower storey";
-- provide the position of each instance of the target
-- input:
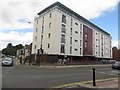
(69, 59)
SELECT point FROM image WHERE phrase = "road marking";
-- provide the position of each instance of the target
(114, 73)
(84, 83)
(109, 73)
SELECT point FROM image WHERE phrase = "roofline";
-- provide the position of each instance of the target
(72, 12)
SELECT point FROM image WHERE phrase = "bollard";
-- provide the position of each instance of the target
(94, 83)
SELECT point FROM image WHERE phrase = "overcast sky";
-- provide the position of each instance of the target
(15, 15)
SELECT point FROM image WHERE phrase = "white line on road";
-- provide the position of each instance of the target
(114, 73)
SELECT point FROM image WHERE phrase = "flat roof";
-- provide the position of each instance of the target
(72, 12)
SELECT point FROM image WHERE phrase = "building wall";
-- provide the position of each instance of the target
(55, 37)
(54, 31)
(99, 43)
(87, 41)
(76, 37)
(115, 53)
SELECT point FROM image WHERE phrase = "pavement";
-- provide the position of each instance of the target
(111, 83)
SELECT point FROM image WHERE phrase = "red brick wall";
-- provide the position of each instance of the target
(89, 49)
(115, 53)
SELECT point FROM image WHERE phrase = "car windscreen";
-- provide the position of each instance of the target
(7, 59)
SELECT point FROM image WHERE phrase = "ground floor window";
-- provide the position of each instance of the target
(62, 48)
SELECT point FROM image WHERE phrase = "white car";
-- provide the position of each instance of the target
(7, 61)
(116, 65)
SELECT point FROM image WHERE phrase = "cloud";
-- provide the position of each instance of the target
(15, 37)
(115, 43)
(13, 10)
(15, 15)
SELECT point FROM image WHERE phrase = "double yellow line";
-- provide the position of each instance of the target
(85, 83)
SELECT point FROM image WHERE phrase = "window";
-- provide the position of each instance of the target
(76, 23)
(86, 36)
(49, 35)
(101, 36)
(102, 49)
(49, 25)
(36, 29)
(48, 45)
(86, 44)
(80, 26)
(80, 51)
(41, 38)
(71, 22)
(43, 21)
(70, 31)
(80, 34)
(85, 27)
(37, 21)
(62, 38)
(62, 48)
(76, 49)
(76, 40)
(102, 54)
(42, 29)
(76, 32)
(71, 40)
(63, 29)
(38, 51)
(99, 41)
(80, 42)
(70, 49)
(35, 38)
(50, 15)
(35, 46)
(41, 46)
(63, 19)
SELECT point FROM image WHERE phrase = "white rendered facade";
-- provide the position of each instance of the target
(48, 33)
(55, 34)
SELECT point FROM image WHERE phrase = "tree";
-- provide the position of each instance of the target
(19, 46)
(4, 51)
(9, 45)
(11, 50)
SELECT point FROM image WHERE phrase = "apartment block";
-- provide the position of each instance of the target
(62, 33)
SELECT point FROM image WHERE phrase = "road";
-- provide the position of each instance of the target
(0, 72)
(22, 76)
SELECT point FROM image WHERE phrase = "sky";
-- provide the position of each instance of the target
(15, 15)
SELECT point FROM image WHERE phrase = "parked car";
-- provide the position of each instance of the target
(104, 61)
(116, 65)
(112, 61)
(7, 61)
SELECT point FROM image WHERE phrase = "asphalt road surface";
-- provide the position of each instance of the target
(0, 72)
(22, 76)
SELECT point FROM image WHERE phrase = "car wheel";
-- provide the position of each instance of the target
(12, 64)
(113, 68)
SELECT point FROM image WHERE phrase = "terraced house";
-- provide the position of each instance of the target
(62, 33)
